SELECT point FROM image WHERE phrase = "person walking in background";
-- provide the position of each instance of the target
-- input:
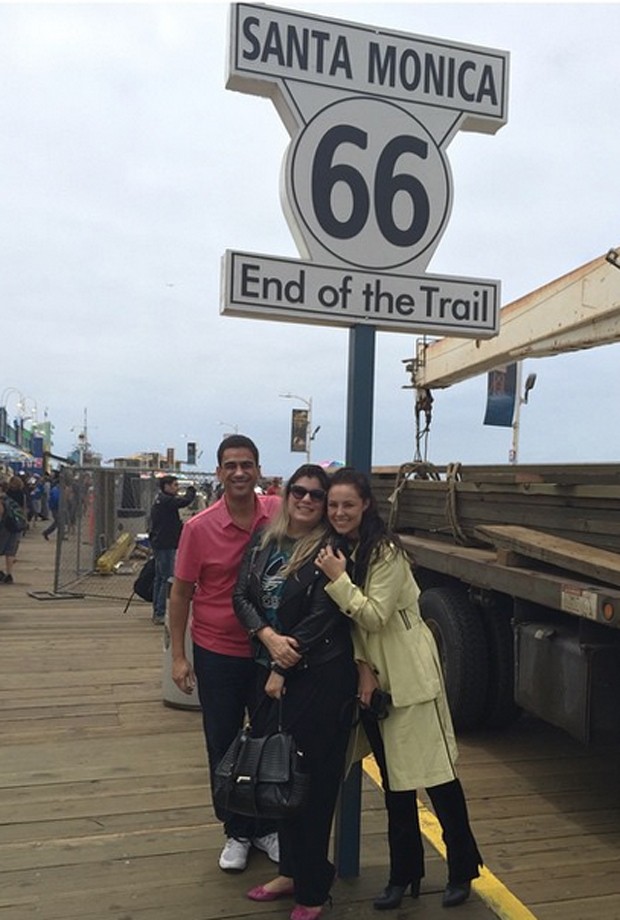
(4, 533)
(372, 583)
(164, 534)
(45, 497)
(10, 539)
(210, 551)
(304, 650)
(17, 491)
(26, 490)
(53, 505)
(36, 500)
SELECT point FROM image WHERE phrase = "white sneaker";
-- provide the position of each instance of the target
(234, 856)
(269, 844)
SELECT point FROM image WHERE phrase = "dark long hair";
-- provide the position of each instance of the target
(374, 532)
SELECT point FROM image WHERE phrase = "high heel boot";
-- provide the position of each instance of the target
(392, 895)
(456, 894)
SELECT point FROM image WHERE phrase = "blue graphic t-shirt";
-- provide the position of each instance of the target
(272, 587)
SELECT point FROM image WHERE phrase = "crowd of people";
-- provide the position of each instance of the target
(24, 500)
(302, 602)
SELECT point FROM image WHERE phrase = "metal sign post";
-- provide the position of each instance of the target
(367, 193)
(360, 398)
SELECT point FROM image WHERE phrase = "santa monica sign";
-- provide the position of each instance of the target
(367, 188)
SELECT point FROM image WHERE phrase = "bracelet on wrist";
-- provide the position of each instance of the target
(253, 633)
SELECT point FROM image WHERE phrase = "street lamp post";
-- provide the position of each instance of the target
(21, 414)
(310, 432)
(520, 401)
(34, 411)
(4, 415)
(7, 392)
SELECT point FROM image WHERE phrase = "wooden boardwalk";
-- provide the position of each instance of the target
(105, 810)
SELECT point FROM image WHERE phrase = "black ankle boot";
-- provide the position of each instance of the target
(392, 895)
(456, 894)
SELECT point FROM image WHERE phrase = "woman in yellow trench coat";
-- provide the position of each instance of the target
(371, 581)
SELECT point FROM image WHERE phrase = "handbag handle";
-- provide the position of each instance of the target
(252, 715)
(280, 711)
(265, 699)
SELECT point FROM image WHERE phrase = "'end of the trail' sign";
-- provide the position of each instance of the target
(367, 186)
(293, 291)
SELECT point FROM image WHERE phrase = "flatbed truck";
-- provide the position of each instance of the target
(519, 566)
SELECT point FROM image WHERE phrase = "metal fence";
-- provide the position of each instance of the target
(103, 522)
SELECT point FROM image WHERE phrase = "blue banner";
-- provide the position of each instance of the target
(36, 448)
(501, 395)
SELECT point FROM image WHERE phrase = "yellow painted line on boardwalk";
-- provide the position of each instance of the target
(494, 894)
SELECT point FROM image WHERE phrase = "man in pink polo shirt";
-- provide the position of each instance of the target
(210, 550)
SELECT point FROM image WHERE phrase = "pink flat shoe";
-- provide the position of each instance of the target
(260, 893)
(305, 913)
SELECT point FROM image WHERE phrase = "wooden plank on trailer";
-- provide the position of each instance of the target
(566, 554)
(479, 567)
(586, 514)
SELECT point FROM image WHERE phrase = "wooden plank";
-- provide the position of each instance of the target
(590, 561)
(565, 473)
(40, 795)
(579, 907)
(114, 821)
(480, 567)
(586, 514)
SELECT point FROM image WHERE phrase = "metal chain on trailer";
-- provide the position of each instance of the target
(453, 475)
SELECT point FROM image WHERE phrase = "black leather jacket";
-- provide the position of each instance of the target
(305, 612)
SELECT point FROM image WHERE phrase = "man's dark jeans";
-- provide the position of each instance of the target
(226, 689)
(164, 569)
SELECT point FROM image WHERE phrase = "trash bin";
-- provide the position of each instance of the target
(171, 694)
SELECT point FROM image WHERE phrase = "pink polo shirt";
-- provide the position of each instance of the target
(210, 552)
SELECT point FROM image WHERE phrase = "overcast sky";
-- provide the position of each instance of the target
(127, 169)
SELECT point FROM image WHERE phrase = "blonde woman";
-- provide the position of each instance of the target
(304, 652)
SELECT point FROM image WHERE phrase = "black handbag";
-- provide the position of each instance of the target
(378, 708)
(380, 701)
(262, 777)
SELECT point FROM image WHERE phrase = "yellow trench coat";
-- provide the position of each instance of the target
(390, 635)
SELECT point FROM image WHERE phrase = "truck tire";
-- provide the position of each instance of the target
(459, 633)
(500, 708)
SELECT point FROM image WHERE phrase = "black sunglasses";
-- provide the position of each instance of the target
(317, 495)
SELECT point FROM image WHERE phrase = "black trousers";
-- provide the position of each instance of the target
(404, 835)
(317, 710)
(226, 689)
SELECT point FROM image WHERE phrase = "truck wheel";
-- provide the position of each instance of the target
(459, 633)
(500, 708)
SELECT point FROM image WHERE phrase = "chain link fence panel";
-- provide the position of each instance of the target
(103, 523)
